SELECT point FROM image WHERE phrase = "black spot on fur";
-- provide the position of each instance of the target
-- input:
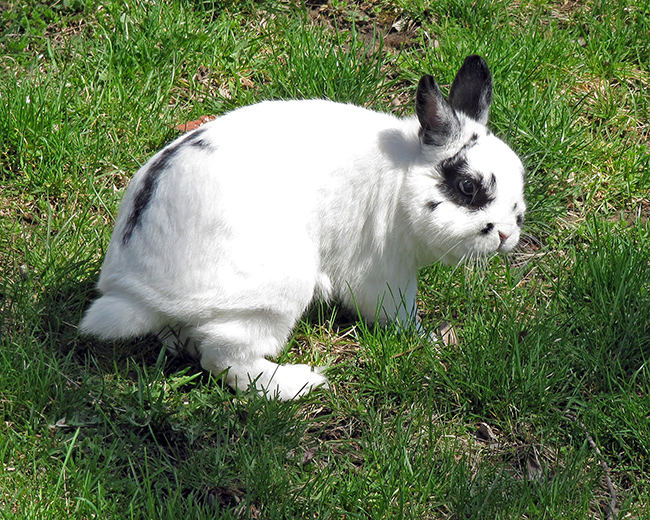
(157, 167)
(201, 144)
(460, 154)
(432, 205)
(520, 220)
(193, 137)
(463, 186)
(471, 142)
(146, 191)
(487, 229)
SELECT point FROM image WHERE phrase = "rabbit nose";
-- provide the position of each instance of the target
(503, 237)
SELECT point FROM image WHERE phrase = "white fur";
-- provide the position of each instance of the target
(288, 201)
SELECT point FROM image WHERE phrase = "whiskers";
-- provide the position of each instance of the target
(528, 249)
(470, 258)
(479, 262)
(458, 253)
(450, 256)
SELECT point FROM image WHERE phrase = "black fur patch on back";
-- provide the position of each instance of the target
(201, 144)
(193, 139)
(464, 187)
(157, 167)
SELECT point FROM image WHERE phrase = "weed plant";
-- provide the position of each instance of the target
(538, 408)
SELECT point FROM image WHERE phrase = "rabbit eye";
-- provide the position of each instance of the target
(467, 187)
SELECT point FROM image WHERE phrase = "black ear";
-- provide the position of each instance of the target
(439, 124)
(471, 91)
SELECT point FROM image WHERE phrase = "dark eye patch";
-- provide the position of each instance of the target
(464, 187)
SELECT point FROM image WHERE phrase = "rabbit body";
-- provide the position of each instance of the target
(232, 230)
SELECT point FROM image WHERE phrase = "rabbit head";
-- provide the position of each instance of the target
(465, 194)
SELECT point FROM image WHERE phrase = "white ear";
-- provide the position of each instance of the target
(471, 91)
(438, 121)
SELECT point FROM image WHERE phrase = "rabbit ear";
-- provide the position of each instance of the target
(471, 91)
(439, 124)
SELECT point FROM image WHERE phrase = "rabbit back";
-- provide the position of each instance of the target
(255, 210)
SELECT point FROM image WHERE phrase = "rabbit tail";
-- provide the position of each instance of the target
(114, 316)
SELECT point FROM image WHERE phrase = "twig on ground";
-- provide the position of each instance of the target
(612, 509)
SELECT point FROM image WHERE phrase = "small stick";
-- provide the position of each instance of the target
(612, 509)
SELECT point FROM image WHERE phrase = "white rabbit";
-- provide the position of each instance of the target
(228, 233)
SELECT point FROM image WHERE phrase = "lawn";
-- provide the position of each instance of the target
(537, 407)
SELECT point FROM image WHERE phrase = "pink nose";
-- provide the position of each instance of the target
(503, 237)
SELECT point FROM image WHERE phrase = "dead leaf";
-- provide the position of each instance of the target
(246, 83)
(485, 434)
(193, 125)
(447, 334)
(308, 456)
(61, 423)
(533, 465)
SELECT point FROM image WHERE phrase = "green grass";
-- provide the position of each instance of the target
(553, 342)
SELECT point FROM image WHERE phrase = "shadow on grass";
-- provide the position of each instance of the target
(138, 412)
(62, 305)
